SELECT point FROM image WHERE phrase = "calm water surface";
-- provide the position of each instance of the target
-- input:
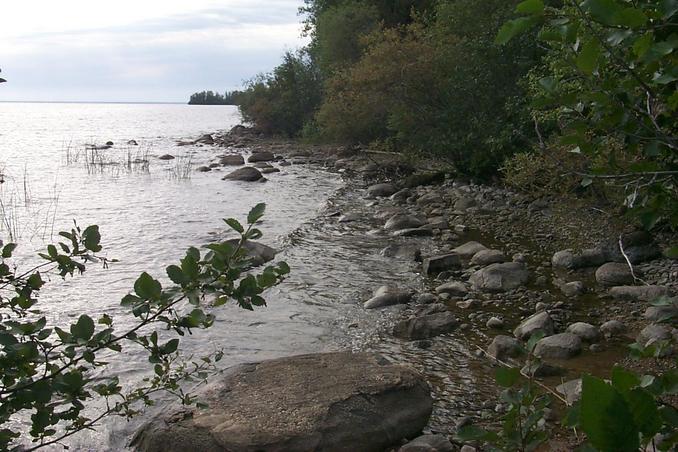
(149, 216)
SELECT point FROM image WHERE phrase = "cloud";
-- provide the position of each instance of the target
(156, 59)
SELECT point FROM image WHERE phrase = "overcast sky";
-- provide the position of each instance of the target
(139, 50)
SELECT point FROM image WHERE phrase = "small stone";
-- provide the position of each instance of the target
(487, 257)
(614, 274)
(453, 288)
(541, 321)
(573, 289)
(436, 264)
(428, 443)
(612, 328)
(559, 346)
(503, 347)
(495, 323)
(640, 293)
(585, 331)
(660, 314)
(571, 390)
(469, 249)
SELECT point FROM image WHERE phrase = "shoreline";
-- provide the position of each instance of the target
(463, 218)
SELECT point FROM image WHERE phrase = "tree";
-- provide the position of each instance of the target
(46, 371)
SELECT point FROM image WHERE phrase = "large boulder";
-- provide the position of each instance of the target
(399, 222)
(257, 253)
(500, 277)
(541, 321)
(426, 326)
(614, 274)
(331, 402)
(246, 174)
(261, 156)
(381, 190)
(437, 264)
(559, 346)
(388, 296)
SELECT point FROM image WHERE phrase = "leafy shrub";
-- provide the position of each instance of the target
(47, 372)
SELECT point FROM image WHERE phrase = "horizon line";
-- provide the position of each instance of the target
(90, 102)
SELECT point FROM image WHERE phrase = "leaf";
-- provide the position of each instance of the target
(507, 376)
(83, 328)
(147, 288)
(177, 276)
(8, 249)
(513, 28)
(256, 213)
(530, 7)
(91, 238)
(645, 413)
(604, 11)
(587, 60)
(235, 225)
(623, 380)
(605, 417)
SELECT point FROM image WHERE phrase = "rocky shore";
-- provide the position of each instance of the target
(497, 267)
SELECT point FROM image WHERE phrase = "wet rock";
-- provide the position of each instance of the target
(661, 313)
(166, 157)
(428, 443)
(261, 156)
(334, 401)
(437, 264)
(270, 170)
(487, 257)
(504, 347)
(388, 296)
(655, 333)
(572, 260)
(437, 223)
(640, 293)
(585, 331)
(467, 448)
(571, 390)
(612, 328)
(614, 274)
(540, 321)
(469, 249)
(132, 143)
(419, 179)
(398, 222)
(558, 346)
(381, 190)
(426, 326)
(245, 174)
(414, 232)
(495, 323)
(540, 369)
(410, 252)
(454, 288)
(350, 217)
(203, 169)
(232, 160)
(426, 298)
(465, 203)
(573, 289)
(205, 139)
(429, 198)
(258, 253)
(468, 304)
(500, 277)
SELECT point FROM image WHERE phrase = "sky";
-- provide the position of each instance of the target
(139, 50)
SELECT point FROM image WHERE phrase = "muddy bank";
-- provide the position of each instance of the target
(489, 268)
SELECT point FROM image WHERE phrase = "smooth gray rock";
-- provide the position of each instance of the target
(487, 257)
(572, 260)
(381, 190)
(331, 402)
(503, 347)
(614, 274)
(573, 289)
(469, 249)
(540, 369)
(246, 174)
(258, 253)
(437, 264)
(261, 156)
(428, 443)
(269, 170)
(495, 323)
(388, 296)
(638, 246)
(410, 252)
(540, 321)
(612, 328)
(465, 203)
(585, 331)
(661, 313)
(414, 232)
(166, 157)
(640, 293)
(500, 277)
(426, 326)
(232, 160)
(454, 288)
(571, 390)
(429, 198)
(558, 346)
(398, 222)
(655, 333)
(350, 217)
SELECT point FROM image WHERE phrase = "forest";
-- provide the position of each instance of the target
(212, 98)
(552, 96)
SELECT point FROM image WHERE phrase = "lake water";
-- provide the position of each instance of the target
(149, 215)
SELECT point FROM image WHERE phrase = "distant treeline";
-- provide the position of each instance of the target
(212, 98)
